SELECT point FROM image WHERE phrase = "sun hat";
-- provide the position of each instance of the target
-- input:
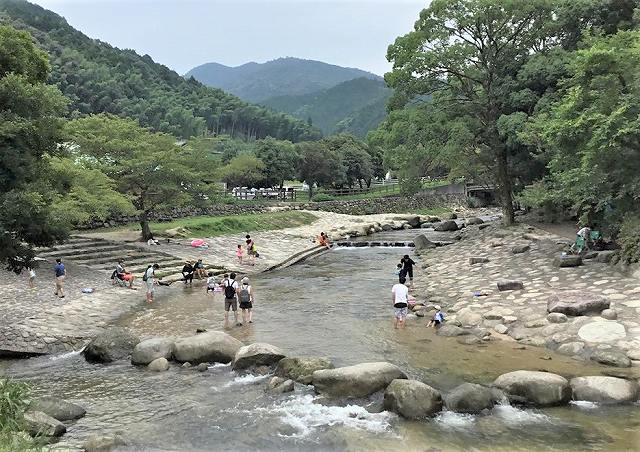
(437, 307)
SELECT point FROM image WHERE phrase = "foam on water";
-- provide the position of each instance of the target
(218, 366)
(66, 355)
(516, 416)
(305, 416)
(245, 380)
(584, 404)
(451, 419)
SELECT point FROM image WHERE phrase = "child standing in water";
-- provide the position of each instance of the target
(239, 253)
(211, 284)
(32, 278)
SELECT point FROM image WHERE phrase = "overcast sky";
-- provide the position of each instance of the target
(185, 33)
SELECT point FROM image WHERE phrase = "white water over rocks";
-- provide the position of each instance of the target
(304, 415)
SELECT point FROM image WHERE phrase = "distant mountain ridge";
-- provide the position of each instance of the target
(256, 82)
(355, 106)
(99, 78)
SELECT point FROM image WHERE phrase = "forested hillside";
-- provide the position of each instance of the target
(97, 78)
(355, 106)
(255, 82)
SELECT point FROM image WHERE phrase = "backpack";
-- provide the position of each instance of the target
(244, 295)
(229, 291)
(145, 277)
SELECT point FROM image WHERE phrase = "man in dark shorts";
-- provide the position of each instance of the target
(230, 288)
(407, 266)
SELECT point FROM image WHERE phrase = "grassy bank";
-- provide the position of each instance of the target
(214, 226)
(14, 400)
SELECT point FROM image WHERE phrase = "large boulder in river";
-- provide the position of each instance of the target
(450, 330)
(414, 222)
(159, 365)
(470, 398)
(257, 354)
(58, 409)
(446, 226)
(474, 220)
(604, 389)
(360, 380)
(421, 242)
(152, 349)
(535, 388)
(214, 346)
(301, 369)
(38, 423)
(412, 399)
(575, 302)
(111, 345)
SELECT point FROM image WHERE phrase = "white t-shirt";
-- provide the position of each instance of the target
(211, 281)
(401, 291)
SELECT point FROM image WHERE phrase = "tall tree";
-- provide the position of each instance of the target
(30, 128)
(245, 170)
(149, 168)
(469, 53)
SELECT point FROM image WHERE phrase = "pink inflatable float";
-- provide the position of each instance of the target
(197, 243)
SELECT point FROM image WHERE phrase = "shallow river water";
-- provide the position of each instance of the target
(337, 305)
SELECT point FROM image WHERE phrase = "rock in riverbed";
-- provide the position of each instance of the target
(111, 345)
(412, 399)
(575, 303)
(422, 242)
(567, 261)
(611, 358)
(158, 365)
(510, 285)
(38, 423)
(478, 260)
(58, 409)
(214, 346)
(604, 389)
(450, 330)
(301, 369)
(152, 349)
(356, 381)
(278, 385)
(519, 249)
(446, 226)
(257, 354)
(470, 398)
(103, 443)
(536, 388)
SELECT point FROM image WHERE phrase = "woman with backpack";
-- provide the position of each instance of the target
(245, 295)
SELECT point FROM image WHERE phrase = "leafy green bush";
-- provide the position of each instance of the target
(14, 400)
(629, 240)
(322, 197)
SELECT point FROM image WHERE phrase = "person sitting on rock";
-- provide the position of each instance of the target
(438, 318)
(323, 240)
(199, 269)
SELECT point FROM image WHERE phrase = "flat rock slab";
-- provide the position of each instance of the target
(58, 409)
(602, 331)
(575, 303)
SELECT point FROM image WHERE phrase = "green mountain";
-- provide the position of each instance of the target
(97, 78)
(355, 106)
(255, 82)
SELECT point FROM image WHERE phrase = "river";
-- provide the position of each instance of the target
(336, 305)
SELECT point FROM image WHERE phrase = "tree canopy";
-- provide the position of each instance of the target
(30, 128)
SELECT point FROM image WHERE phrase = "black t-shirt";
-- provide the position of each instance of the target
(407, 264)
(187, 269)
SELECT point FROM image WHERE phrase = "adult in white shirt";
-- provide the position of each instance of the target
(400, 298)
(150, 281)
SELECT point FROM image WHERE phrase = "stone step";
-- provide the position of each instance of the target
(113, 257)
(141, 265)
(73, 251)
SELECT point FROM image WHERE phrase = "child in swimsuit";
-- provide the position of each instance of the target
(239, 253)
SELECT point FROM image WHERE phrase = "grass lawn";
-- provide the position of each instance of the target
(214, 226)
